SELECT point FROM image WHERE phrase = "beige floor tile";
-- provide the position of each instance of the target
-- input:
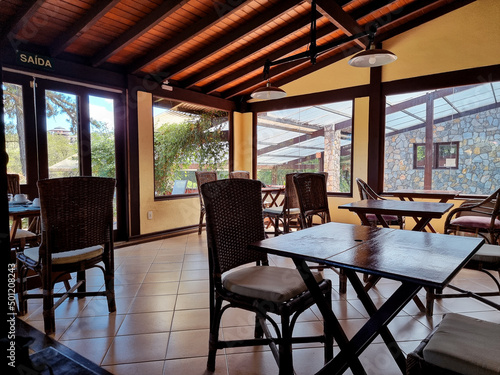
(193, 286)
(196, 366)
(190, 320)
(187, 344)
(151, 322)
(254, 363)
(93, 349)
(157, 289)
(137, 348)
(153, 303)
(162, 277)
(192, 301)
(141, 368)
(94, 326)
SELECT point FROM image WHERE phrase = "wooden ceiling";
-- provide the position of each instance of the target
(216, 47)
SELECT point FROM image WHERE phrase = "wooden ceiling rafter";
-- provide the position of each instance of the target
(28, 9)
(201, 26)
(81, 26)
(242, 31)
(142, 27)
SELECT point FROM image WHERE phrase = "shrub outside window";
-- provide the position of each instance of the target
(187, 138)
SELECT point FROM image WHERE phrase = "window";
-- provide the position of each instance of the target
(306, 139)
(463, 126)
(445, 155)
(14, 130)
(187, 138)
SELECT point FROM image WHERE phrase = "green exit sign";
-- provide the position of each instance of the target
(35, 61)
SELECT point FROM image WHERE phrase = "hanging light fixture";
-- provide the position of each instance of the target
(370, 58)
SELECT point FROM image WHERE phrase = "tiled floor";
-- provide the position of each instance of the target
(161, 322)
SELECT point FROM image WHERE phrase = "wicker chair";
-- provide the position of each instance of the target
(459, 345)
(366, 192)
(313, 202)
(77, 234)
(239, 174)
(31, 236)
(201, 178)
(234, 220)
(486, 259)
(286, 213)
(480, 218)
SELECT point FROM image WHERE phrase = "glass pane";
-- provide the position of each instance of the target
(62, 140)
(102, 136)
(14, 130)
(306, 139)
(465, 137)
(187, 138)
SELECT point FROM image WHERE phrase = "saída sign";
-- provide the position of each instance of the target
(35, 61)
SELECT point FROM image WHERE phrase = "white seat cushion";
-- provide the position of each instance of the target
(279, 210)
(65, 257)
(488, 254)
(465, 345)
(277, 284)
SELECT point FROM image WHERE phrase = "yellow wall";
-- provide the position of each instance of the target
(167, 214)
(243, 138)
(465, 38)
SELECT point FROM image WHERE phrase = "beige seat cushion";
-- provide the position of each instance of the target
(68, 256)
(488, 254)
(277, 284)
(279, 210)
(465, 345)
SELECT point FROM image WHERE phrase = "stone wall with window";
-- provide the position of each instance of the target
(478, 169)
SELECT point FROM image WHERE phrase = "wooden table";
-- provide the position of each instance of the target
(409, 194)
(18, 212)
(273, 192)
(422, 212)
(417, 259)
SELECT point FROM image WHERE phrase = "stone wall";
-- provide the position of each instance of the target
(478, 169)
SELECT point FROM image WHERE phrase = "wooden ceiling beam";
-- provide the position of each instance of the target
(88, 20)
(191, 32)
(143, 26)
(9, 29)
(248, 51)
(340, 18)
(242, 31)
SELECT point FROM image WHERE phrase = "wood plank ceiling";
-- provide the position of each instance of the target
(214, 47)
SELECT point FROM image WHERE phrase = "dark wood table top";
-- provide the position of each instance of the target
(426, 259)
(401, 208)
(443, 195)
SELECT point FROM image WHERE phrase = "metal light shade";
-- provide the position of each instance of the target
(268, 92)
(372, 57)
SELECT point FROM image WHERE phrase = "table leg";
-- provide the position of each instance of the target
(377, 324)
(352, 360)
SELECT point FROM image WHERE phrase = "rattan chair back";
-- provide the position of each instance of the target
(233, 222)
(201, 178)
(239, 174)
(13, 185)
(312, 197)
(76, 212)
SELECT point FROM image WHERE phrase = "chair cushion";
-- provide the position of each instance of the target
(475, 222)
(279, 211)
(488, 254)
(373, 217)
(465, 345)
(276, 284)
(65, 257)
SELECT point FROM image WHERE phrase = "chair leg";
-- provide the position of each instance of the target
(21, 275)
(285, 347)
(213, 342)
(342, 282)
(109, 279)
(328, 329)
(258, 331)
(80, 276)
(200, 225)
(49, 322)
